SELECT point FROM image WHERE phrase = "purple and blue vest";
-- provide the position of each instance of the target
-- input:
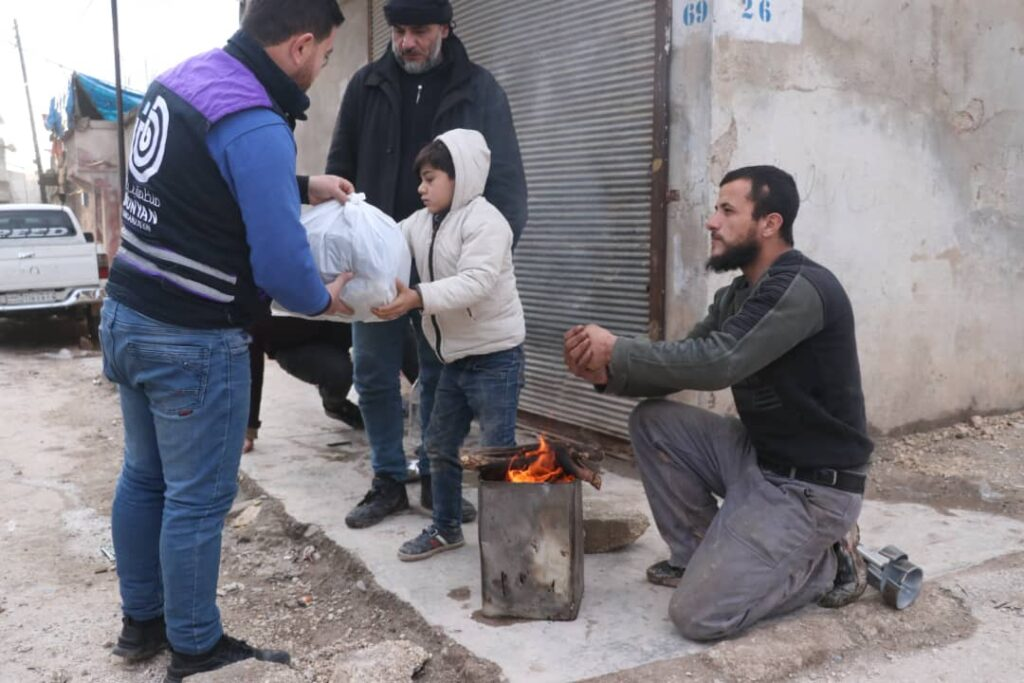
(184, 259)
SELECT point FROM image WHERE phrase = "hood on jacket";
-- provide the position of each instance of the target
(471, 158)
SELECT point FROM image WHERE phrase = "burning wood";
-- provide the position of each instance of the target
(539, 466)
(543, 462)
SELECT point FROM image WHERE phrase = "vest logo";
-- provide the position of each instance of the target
(149, 140)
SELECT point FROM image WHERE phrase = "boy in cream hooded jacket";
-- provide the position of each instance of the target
(472, 318)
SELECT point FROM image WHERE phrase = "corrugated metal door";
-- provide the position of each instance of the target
(580, 78)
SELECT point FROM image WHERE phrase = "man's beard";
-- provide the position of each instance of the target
(304, 78)
(415, 68)
(734, 257)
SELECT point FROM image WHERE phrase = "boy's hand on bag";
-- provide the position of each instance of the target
(324, 188)
(339, 307)
(406, 300)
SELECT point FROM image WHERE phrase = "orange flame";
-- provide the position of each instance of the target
(542, 469)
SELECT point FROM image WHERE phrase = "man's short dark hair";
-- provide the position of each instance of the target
(773, 191)
(435, 155)
(271, 22)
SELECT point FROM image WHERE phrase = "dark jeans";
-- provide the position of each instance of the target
(382, 350)
(482, 387)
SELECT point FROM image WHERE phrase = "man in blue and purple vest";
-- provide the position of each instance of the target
(211, 233)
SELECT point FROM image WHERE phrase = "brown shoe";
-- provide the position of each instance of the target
(851, 574)
(664, 574)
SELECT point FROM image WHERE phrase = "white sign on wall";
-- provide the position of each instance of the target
(764, 21)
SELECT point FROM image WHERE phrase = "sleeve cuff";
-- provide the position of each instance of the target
(617, 369)
(303, 183)
(424, 289)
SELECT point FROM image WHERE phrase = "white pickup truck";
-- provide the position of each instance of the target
(48, 264)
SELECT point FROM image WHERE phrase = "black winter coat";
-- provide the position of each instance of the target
(367, 135)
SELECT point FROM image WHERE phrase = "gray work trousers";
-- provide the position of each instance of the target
(767, 551)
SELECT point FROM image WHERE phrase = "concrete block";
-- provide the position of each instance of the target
(608, 526)
(387, 662)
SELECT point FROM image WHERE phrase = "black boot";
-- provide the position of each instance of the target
(344, 410)
(386, 497)
(140, 640)
(427, 500)
(227, 651)
(851, 572)
(665, 573)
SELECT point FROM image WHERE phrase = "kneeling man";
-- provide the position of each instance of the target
(791, 470)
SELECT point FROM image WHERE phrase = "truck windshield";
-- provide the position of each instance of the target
(34, 223)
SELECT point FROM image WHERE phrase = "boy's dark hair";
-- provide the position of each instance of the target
(271, 22)
(435, 155)
(773, 191)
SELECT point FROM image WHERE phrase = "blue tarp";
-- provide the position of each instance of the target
(87, 97)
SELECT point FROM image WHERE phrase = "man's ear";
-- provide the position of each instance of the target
(772, 225)
(302, 46)
(445, 30)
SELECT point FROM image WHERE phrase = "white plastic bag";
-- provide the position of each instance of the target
(358, 237)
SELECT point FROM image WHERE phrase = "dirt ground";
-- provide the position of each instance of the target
(284, 584)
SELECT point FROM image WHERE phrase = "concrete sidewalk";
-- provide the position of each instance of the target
(319, 470)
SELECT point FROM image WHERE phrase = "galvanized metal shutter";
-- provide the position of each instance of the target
(580, 78)
(379, 31)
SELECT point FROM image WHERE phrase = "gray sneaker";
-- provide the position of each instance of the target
(430, 542)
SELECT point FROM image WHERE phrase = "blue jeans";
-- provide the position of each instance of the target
(185, 400)
(483, 387)
(377, 357)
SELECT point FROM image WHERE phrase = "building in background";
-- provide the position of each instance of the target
(83, 155)
(14, 182)
(6, 196)
(903, 124)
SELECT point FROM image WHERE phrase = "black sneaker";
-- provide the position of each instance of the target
(346, 411)
(427, 500)
(664, 574)
(227, 651)
(430, 542)
(851, 574)
(140, 640)
(386, 497)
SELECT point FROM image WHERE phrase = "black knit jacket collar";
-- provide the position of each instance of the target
(286, 93)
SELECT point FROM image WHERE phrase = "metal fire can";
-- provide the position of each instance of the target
(531, 549)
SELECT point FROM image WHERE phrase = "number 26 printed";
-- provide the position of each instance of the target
(764, 10)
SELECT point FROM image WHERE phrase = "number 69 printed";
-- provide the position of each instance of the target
(695, 13)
